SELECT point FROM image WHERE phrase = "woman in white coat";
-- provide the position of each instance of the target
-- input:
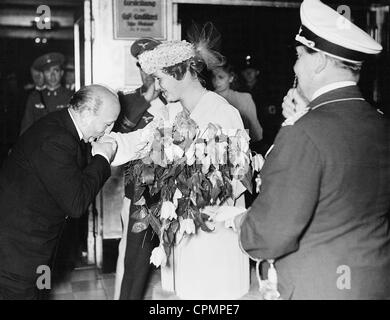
(177, 65)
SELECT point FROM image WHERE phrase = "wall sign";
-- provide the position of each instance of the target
(139, 18)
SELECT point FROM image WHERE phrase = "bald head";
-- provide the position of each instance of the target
(96, 108)
(91, 97)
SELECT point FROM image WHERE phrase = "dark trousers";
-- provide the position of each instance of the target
(15, 287)
(137, 265)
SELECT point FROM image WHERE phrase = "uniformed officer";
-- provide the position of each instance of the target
(138, 108)
(52, 98)
(323, 209)
(38, 80)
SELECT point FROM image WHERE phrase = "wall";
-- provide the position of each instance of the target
(111, 57)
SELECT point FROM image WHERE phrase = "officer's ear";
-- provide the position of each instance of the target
(321, 62)
(62, 73)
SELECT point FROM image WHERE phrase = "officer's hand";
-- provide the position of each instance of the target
(293, 103)
(105, 146)
(151, 93)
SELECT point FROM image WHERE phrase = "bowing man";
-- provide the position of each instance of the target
(46, 179)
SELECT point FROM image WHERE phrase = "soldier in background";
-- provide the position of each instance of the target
(138, 108)
(267, 113)
(53, 97)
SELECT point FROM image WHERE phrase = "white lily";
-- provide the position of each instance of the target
(190, 155)
(177, 152)
(222, 152)
(238, 188)
(168, 211)
(200, 149)
(140, 202)
(206, 162)
(257, 162)
(158, 256)
(188, 226)
(177, 195)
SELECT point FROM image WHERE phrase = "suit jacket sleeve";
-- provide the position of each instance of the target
(133, 106)
(72, 187)
(28, 117)
(291, 179)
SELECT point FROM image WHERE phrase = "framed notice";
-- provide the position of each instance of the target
(135, 19)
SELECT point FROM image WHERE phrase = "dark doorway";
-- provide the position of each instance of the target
(268, 34)
(261, 32)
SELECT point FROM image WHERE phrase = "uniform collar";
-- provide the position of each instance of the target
(55, 89)
(75, 124)
(351, 92)
(332, 86)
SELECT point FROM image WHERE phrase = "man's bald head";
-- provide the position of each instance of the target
(91, 97)
(97, 107)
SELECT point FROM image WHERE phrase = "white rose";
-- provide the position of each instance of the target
(168, 211)
(158, 256)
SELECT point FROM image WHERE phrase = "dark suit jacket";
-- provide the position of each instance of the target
(44, 180)
(324, 202)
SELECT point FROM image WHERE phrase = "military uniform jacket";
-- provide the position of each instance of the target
(134, 114)
(41, 103)
(44, 179)
(323, 209)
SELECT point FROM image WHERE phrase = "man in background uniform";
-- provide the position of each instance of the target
(52, 98)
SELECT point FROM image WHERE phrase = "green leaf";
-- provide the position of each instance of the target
(140, 214)
(147, 176)
(138, 192)
(174, 226)
(167, 249)
(156, 225)
(247, 181)
(139, 227)
(201, 222)
(182, 206)
(215, 192)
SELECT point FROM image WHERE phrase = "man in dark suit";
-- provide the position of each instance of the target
(46, 179)
(138, 108)
(322, 212)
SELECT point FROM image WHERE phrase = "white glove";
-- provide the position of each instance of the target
(227, 214)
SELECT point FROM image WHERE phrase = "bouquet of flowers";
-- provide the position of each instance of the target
(189, 168)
